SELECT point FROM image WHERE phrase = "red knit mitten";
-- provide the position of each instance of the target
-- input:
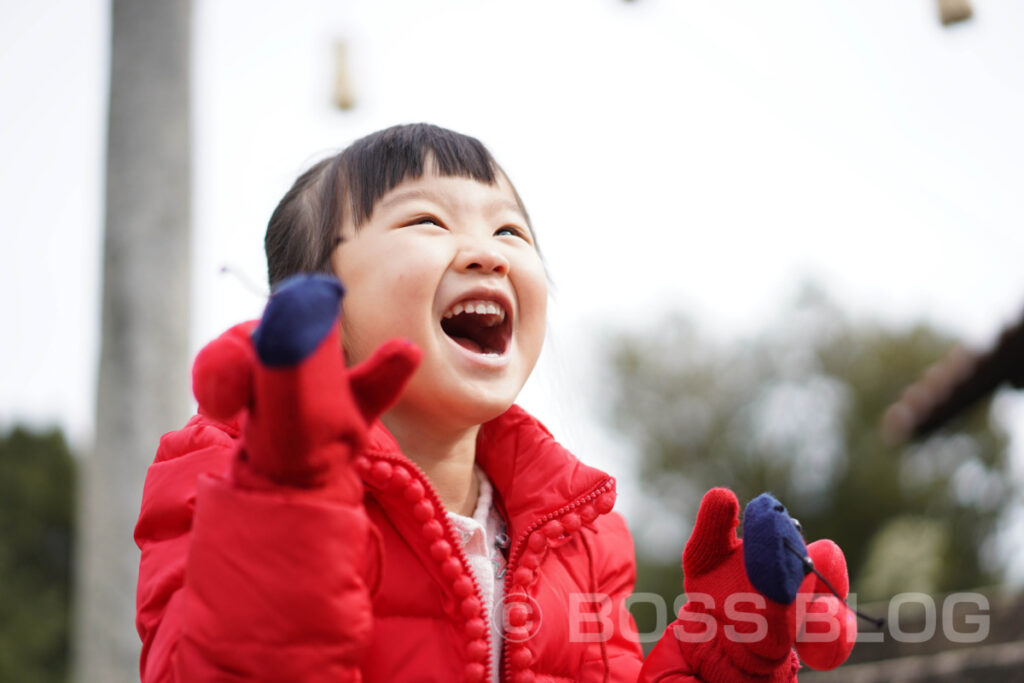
(746, 611)
(306, 413)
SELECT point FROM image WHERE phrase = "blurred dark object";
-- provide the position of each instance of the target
(955, 384)
(954, 11)
(344, 93)
(36, 502)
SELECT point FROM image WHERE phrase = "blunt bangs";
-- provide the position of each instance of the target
(376, 164)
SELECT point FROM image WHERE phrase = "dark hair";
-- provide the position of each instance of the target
(303, 230)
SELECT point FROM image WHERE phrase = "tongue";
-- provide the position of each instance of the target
(467, 343)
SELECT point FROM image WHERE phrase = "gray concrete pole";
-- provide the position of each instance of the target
(144, 370)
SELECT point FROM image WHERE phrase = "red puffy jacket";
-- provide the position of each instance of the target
(237, 584)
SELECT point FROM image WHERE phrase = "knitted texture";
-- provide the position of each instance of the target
(305, 417)
(772, 549)
(730, 631)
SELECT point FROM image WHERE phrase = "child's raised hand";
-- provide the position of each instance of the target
(306, 413)
(751, 601)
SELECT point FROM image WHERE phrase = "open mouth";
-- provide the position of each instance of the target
(478, 325)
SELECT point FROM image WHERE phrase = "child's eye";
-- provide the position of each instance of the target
(512, 231)
(425, 219)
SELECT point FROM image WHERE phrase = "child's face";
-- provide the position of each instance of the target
(435, 248)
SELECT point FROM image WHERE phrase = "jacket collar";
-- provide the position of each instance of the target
(533, 475)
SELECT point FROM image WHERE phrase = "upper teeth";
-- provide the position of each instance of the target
(479, 307)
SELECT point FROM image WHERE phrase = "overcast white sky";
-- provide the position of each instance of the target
(700, 155)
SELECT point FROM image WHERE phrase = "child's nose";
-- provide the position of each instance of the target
(482, 259)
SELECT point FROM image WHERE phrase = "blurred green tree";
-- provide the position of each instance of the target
(795, 410)
(36, 504)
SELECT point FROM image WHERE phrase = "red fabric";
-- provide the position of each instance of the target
(237, 584)
(304, 422)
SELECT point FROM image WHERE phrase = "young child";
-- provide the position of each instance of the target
(288, 534)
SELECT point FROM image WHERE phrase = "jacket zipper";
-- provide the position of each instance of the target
(450, 536)
(523, 538)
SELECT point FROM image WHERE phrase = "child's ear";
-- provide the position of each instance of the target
(714, 534)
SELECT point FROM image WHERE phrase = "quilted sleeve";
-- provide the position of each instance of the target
(238, 584)
(665, 663)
